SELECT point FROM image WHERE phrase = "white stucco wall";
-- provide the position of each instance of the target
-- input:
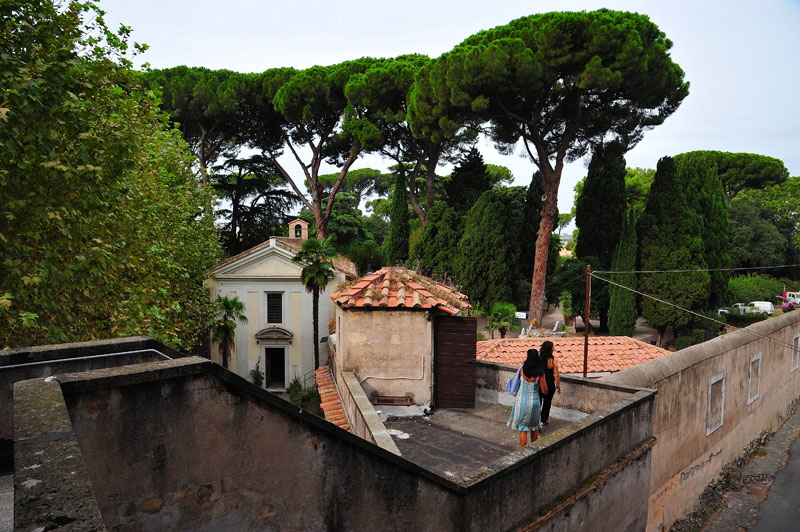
(251, 279)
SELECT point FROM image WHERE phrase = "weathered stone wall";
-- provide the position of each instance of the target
(187, 445)
(584, 395)
(44, 361)
(690, 452)
(390, 351)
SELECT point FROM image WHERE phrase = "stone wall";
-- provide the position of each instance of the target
(584, 395)
(713, 400)
(185, 445)
(44, 361)
(391, 351)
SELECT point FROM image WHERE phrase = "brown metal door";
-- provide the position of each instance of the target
(454, 362)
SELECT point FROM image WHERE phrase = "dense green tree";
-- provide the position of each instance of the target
(346, 225)
(316, 257)
(486, 265)
(306, 112)
(397, 240)
(637, 185)
(622, 312)
(361, 183)
(379, 100)
(106, 231)
(755, 242)
(559, 82)
(599, 212)
(255, 203)
(600, 208)
(670, 238)
(468, 180)
(206, 104)
(437, 251)
(741, 171)
(781, 207)
(698, 171)
(230, 310)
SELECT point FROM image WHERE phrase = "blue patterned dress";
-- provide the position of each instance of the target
(526, 410)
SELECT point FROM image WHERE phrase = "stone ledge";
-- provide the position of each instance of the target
(51, 485)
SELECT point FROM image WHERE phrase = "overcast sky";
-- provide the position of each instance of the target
(740, 57)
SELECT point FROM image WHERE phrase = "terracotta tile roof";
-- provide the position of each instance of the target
(342, 264)
(399, 288)
(605, 354)
(331, 403)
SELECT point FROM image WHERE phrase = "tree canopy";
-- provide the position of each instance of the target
(206, 104)
(741, 171)
(106, 231)
(559, 82)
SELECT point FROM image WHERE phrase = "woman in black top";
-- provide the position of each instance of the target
(551, 377)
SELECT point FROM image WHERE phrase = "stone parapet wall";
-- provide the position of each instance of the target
(713, 400)
(186, 444)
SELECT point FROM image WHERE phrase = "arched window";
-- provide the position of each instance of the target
(298, 231)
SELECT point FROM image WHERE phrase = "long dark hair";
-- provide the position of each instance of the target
(546, 350)
(533, 366)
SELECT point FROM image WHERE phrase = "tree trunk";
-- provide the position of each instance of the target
(549, 205)
(315, 309)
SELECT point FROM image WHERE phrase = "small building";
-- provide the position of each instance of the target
(278, 335)
(402, 335)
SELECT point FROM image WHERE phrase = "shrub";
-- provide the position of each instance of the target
(256, 375)
(296, 391)
(743, 320)
(755, 287)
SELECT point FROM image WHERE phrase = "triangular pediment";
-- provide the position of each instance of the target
(263, 261)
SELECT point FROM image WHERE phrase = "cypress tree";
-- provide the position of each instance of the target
(699, 169)
(467, 182)
(399, 230)
(488, 253)
(599, 214)
(622, 311)
(600, 209)
(437, 250)
(670, 238)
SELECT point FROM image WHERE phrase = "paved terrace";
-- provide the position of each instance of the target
(458, 444)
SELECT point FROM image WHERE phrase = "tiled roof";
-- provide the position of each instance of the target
(342, 264)
(399, 288)
(330, 402)
(605, 353)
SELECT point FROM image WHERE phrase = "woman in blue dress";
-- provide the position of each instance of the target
(525, 412)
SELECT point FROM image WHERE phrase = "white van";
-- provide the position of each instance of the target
(762, 306)
(794, 297)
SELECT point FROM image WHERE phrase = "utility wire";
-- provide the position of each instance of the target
(706, 270)
(763, 337)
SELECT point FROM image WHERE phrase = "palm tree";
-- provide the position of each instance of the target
(316, 258)
(231, 310)
(503, 318)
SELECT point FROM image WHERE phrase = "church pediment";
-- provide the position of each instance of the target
(275, 334)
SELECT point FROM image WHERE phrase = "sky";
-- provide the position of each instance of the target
(739, 56)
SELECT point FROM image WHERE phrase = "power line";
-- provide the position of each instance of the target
(763, 337)
(705, 270)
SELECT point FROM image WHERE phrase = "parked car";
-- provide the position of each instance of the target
(754, 306)
(762, 306)
(793, 297)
